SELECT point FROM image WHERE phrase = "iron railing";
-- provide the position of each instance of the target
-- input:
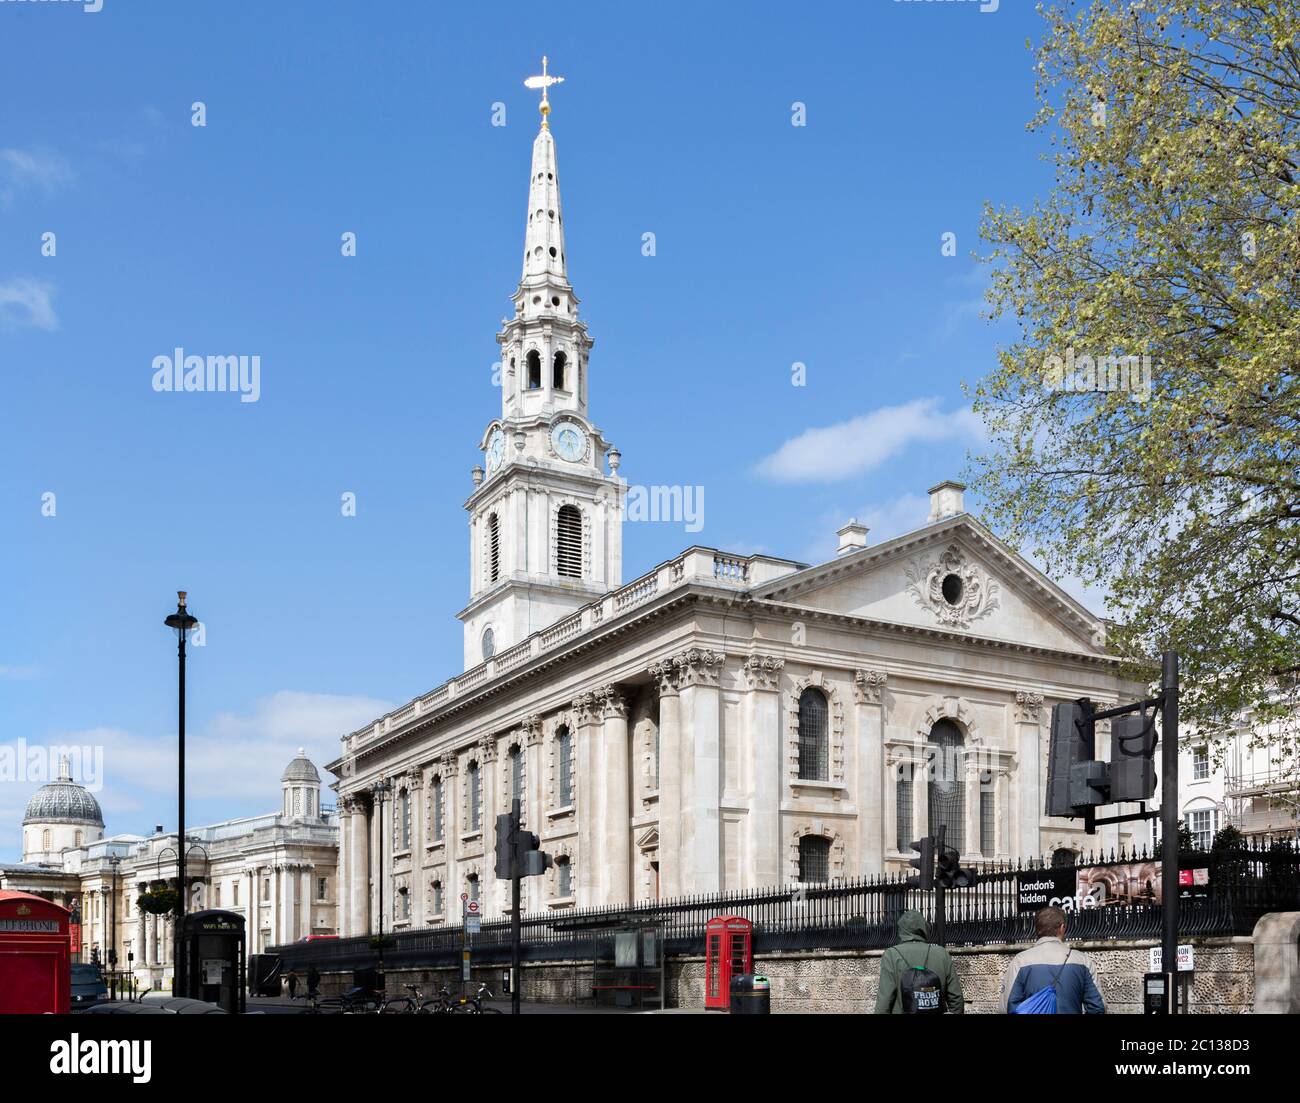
(1245, 882)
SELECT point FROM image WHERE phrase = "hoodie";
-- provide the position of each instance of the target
(914, 951)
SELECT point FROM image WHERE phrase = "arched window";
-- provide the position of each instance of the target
(1064, 858)
(814, 744)
(947, 784)
(563, 877)
(45, 839)
(558, 363)
(475, 797)
(517, 773)
(493, 548)
(564, 755)
(814, 860)
(437, 809)
(568, 542)
(77, 841)
(489, 644)
(437, 897)
(534, 370)
(404, 826)
(903, 811)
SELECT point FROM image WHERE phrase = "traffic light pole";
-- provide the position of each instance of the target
(516, 925)
(940, 894)
(1169, 827)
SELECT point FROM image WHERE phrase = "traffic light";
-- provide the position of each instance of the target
(1132, 752)
(1075, 779)
(518, 852)
(950, 875)
(925, 863)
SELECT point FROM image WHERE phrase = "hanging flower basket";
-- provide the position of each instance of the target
(159, 901)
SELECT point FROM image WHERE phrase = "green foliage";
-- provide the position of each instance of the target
(1172, 232)
(1226, 838)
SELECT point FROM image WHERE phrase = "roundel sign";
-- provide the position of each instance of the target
(473, 907)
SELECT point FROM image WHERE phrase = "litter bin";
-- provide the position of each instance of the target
(751, 994)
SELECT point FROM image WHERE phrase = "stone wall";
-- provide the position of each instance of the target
(845, 981)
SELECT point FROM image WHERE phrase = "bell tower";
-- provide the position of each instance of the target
(545, 518)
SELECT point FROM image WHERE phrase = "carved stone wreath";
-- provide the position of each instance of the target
(977, 596)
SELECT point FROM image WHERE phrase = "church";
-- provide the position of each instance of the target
(722, 721)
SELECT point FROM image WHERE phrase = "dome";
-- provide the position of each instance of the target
(63, 801)
(300, 769)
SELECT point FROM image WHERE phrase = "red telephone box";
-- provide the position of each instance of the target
(728, 952)
(35, 955)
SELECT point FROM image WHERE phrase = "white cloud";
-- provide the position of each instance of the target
(27, 302)
(884, 521)
(19, 673)
(851, 447)
(23, 169)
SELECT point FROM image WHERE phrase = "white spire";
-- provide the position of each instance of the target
(544, 237)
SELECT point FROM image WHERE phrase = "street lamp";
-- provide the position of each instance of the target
(381, 789)
(182, 624)
(114, 860)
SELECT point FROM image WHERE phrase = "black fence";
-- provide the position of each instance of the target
(1112, 898)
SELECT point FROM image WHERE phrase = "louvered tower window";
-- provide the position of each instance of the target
(558, 364)
(568, 542)
(493, 548)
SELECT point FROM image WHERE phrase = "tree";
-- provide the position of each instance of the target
(1146, 422)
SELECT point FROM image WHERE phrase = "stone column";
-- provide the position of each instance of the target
(274, 871)
(532, 805)
(699, 670)
(670, 780)
(146, 937)
(451, 887)
(584, 711)
(289, 886)
(869, 716)
(1029, 788)
(617, 815)
(343, 893)
(489, 887)
(761, 722)
(415, 785)
(359, 870)
(254, 911)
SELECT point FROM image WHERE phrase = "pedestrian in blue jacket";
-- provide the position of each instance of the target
(1050, 962)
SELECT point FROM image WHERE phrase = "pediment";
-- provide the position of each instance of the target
(953, 576)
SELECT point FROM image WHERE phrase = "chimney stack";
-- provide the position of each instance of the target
(946, 500)
(853, 537)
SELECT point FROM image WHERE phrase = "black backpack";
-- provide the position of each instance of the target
(920, 988)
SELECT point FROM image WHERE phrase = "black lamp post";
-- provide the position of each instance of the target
(380, 790)
(182, 624)
(114, 860)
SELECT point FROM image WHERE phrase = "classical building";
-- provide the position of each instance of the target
(722, 722)
(277, 870)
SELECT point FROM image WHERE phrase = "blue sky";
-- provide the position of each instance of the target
(775, 244)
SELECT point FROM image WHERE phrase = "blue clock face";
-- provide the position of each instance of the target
(569, 441)
(496, 449)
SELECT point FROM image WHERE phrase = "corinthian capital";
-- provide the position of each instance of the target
(665, 676)
(585, 708)
(1029, 708)
(868, 685)
(611, 701)
(698, 666)
(762, 671)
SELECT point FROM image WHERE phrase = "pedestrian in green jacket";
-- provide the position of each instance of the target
(914, 951)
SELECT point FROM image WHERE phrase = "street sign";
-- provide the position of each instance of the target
(472, 907)
(473, 924)
(1186, 959)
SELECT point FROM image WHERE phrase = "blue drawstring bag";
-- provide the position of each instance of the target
(1043, 1002)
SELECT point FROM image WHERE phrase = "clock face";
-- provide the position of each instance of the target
(496, 449)
(569, 441)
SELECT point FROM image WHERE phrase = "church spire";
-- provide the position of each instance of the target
(544, 236)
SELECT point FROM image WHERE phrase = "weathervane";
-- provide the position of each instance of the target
(543, 82)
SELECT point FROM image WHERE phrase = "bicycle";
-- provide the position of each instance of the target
(441, 1004)
(404, 1005)
(473, 1005)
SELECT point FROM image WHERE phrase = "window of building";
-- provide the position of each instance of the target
(489, 644)
(903, 812)
(988, 827)
(234, 894)
(568, 542)
(473, 886)
(404, 821)
(1200, 763)
(45, 839)
(563, 877)
(493, 548)
(564, 751)
(475, 797)
(266, 888)
(814, 743)
(77, 840)
(1201, 823)
(814, 859)
(517, 773)
(534, 361)
(437, 809)
(437, 897)
(946, 790)
(403, 903)
(1064, 858)
(558, 363)
(322, 888)
(216, 895)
